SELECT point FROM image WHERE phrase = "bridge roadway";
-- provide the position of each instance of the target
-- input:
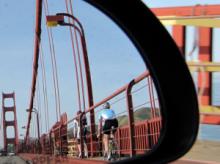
(12, 160)
(45, 159)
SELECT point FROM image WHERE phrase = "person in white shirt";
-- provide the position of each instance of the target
(76, 133)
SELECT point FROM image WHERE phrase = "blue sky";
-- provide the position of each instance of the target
(114, 61)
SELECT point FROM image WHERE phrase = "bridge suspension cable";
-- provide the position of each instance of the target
(75, 63)
(39, 105)
(75, 48)
(44, 88)
(54, 63)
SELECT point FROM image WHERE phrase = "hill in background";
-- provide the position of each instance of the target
(140, 114)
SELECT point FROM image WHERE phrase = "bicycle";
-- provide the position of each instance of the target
(113, 147)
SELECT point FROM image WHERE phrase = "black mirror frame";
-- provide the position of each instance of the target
(174, 84)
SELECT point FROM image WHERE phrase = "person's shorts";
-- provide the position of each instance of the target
(78, 141)
(84, 135)
(108, 125)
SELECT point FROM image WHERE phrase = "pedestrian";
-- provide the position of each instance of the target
(77, 134)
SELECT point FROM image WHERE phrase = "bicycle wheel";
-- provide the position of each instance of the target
(114, 151)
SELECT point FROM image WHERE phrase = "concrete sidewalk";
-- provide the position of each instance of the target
(12, 160)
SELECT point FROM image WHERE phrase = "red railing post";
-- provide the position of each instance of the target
(130, 117)
(151, 99)
(81, 135)
(119, 142)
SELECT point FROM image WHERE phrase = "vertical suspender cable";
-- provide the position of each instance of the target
(34, 106)
(34, 126)
(75, 63)
(44, 85)
(46, 11)
(78, 53)
(86, 67)
(54, 66)
(88, 83)
(56, 75)
(39, 106)
(38, 99)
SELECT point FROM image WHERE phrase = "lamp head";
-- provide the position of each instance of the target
(54, 20)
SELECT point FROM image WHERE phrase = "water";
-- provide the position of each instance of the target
(212, 132)
(209, 132)
(216, 89)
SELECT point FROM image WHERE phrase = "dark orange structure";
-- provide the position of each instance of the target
(205, 46)
(137, 137)
(205, 38)
(9, 123)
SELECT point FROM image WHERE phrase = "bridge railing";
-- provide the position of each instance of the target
(137, 109)
(135, 135)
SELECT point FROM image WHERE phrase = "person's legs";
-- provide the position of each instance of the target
(106, 131)
(79, 148)
(84, 139)
(107, 148)
(86, 150)
(106, 144)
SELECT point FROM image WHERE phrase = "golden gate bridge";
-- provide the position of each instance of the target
(136, 137)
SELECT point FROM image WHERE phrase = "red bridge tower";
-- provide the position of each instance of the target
(7, 123)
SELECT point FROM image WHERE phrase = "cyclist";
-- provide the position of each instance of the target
(108, 119)
(76, 132)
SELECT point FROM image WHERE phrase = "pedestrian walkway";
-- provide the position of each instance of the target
(45, 159)
(12, 160)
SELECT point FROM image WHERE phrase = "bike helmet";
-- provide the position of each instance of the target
(106, 105)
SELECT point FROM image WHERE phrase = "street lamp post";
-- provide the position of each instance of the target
(21, 148)
(26, 140)
(58, 19)
(38, 128)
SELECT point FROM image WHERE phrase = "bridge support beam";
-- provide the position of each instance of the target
(205, 54)
(179, 37)
(205, 41)
(198, 10)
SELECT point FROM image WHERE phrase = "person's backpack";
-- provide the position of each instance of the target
(84, 120)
